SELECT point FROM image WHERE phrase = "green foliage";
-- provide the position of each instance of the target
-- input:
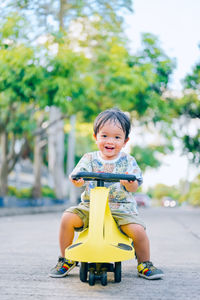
(192, 146)
(187, 110)
(87, 74)
(119, 79)
(150, 192)
(12, 191)
(188, 105)
(111, 77)
(26, 193)
(193, 196)
(150, 156)
(162, 64)
(48, 192)
(156, 68)
(62, 13)
(63, 83)
(146, 157)
(19, 81)
(20, 193)
(12, 29)
(192, 81)
(162, 190)
(84, 140)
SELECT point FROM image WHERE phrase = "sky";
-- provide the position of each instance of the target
(177, 25)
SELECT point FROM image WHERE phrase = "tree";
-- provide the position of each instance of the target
(147, 156)
(62, 13)
(161, 190)
(191, 110)
(20, 78)
(95, 70)
(134, 84)
(187, 109)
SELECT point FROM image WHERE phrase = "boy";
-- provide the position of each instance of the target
(111, 132)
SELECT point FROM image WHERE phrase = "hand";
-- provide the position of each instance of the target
(131, 186)
(77, 182)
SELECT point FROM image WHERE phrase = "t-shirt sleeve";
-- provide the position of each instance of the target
(84, 164)
(135, 170)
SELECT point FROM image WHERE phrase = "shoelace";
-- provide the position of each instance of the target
(149, 265)
(61, 261)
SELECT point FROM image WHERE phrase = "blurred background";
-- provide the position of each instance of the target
(64, 61)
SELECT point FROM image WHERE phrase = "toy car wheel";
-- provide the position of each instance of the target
(83, 271)
(91, 278)
(104, 278)
(118, 271)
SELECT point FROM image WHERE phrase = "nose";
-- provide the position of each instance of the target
(110, 140)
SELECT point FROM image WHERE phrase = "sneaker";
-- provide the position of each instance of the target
(148, 271)
(63, 267)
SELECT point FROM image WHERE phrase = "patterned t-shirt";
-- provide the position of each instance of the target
(119, 198)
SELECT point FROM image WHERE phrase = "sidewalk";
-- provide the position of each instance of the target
(29, 249)
(16, 211)
(12, 206)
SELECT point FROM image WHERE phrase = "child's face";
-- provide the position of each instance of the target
(110, 140)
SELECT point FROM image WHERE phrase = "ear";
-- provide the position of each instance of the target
(126, 141)
(94, 135)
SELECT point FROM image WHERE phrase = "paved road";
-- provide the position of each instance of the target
(28, 249)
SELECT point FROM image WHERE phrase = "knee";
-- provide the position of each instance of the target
(70, 220)
(135, 231)
(139, 233)
(66, 219)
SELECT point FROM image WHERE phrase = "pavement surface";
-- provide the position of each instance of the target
(29, 249)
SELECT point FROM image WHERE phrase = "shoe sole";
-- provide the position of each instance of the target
(62, 275)
(156, 276)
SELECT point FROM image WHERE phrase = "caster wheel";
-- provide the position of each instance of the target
(91, 278)
(83, 271)
(117, 271)
(104, 278)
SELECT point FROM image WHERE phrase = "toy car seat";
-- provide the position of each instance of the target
(102, 242)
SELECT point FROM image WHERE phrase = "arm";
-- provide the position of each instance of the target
(133, 168)
(83, 165)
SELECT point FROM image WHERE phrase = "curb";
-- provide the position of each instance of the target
(16, 211)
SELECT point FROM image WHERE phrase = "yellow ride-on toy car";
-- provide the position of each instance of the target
(102, 246)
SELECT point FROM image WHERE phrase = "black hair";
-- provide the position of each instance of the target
(115, 115)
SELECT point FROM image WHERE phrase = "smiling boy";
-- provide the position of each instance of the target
(111, 132)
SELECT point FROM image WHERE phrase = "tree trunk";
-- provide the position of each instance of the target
(36, 193)
(56, 152)
(56, 137)
(60, 16)
(71, 145)
(4, 164)
(71, 158)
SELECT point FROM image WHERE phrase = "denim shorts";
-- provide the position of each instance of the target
(120, 218)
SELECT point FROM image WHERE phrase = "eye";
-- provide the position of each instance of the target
(117, 137)
(104, 135)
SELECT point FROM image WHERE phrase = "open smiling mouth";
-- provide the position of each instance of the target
(109, 148)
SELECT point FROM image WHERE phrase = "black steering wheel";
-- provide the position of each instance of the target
(102, 177)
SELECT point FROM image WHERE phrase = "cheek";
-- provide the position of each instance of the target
(99, 143)
(121, 145)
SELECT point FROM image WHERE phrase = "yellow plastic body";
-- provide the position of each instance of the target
(102, 241)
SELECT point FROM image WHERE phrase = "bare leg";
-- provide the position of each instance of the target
(141, 242)
(69, 221)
